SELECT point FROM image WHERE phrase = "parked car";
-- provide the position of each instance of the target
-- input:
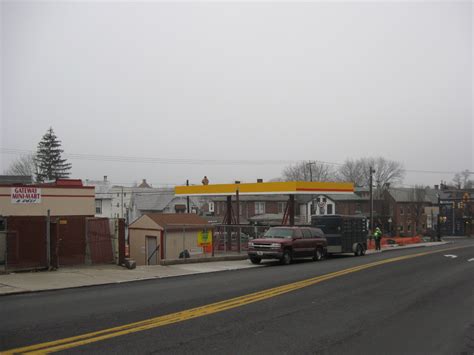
(288, 243)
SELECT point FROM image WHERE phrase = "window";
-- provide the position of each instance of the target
(306, 233)
(409, 228)
(240, 209)
(408, 210)
(401, 211)
(297, 233)
(401, 228)
(279, 233)
(180, 208)
(329, 209)
(281, 207)
(98, 206)
(316, 233)
(118, 195)
(259, 208)
(124, 194)
(118, 204)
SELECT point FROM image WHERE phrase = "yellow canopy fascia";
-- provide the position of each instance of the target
(267, 188)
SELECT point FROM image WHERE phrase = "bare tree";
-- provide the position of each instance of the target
(309, 171)
(462, 180)
(353, 171)
(358, 171)
(25, 165)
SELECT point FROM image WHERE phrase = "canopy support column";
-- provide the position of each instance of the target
(291, 202)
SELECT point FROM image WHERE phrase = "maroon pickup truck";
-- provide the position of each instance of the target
(288, 243)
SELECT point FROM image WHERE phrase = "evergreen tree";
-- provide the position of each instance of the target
(50, 165)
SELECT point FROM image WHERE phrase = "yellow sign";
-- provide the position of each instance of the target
(63, 221)
(204, 238)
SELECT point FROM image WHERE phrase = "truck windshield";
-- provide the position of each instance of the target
(279, 233)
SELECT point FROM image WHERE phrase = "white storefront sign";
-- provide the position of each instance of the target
(25, 194)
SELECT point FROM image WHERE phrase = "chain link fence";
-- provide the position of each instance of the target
(187, 241)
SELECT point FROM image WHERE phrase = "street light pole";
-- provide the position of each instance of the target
(371, 200)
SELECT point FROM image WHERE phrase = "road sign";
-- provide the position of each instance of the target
(204, 238)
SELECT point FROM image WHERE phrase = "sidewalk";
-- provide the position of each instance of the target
(83, 276)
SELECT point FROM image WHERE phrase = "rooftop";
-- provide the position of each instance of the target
(168, 219)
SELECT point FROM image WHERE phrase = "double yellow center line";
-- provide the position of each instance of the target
(92, 337)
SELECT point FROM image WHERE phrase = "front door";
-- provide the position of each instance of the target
(151, 250)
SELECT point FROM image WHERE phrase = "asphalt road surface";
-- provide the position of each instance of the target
(399, 302)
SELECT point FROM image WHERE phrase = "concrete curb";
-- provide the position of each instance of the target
(204, 260)
(120, 282)
(190, 261)
(412, 246)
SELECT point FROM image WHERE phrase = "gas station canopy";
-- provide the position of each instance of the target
(266, 188)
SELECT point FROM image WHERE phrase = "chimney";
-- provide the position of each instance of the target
(105, 178)
(259, 180)
(436, 187)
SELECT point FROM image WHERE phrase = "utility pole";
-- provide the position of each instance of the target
(122, 201)
(310, 170)
(371, 200)
(187, 197)
(48, 239)
(454, 218)
(237, 203)
(439, 219)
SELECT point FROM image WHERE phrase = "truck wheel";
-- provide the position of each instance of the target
(255, 260)
(318, 254)
(286, 258)
(358, 251)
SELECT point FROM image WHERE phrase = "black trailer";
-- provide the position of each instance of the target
(344, 234)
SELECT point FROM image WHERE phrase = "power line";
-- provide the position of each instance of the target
(189, 161)
(152, 160)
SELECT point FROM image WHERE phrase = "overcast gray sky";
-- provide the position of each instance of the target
(242, 81)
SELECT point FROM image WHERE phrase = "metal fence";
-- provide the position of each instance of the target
(30, 242)
(231, 239)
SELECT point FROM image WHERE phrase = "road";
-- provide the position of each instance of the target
(416, 301)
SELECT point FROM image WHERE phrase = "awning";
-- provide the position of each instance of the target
(267, 188)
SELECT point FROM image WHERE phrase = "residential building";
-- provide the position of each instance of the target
(145, 201)
(252, 209)
(404, 210)
(103, 197)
